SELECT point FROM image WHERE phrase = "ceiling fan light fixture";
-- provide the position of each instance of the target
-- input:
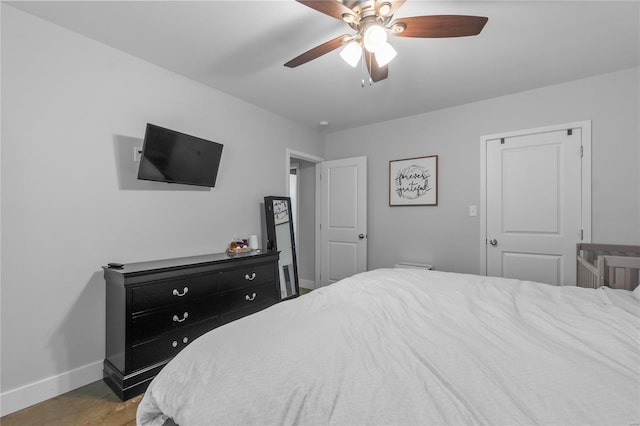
(375, 36)
(351, 53)
(385, 54)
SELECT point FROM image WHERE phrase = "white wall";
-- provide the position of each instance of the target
(445, 235)
(72, 109)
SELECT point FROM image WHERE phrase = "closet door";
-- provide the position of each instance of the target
(533, 206)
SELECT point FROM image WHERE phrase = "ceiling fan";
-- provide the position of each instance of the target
(372, 21)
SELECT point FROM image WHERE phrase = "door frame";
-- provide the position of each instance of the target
(289, 154)
(585, 207)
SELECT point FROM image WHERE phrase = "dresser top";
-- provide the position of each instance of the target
(180, 262)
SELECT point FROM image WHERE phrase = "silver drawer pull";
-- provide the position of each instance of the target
(249, 298)
(185, 340)
(184, 317)
(174, 344)
(177, 293)
(250, 277)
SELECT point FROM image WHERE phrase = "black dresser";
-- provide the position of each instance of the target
(156, 308)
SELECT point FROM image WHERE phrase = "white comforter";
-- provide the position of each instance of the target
(414, 347)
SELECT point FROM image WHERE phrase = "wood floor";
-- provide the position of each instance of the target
(93, 404)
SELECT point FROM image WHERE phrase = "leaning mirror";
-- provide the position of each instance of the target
(280, 238)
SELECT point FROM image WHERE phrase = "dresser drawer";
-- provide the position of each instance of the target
(167, 345)
(247, 276)
(150, 325)
(177, 290)
(249, 299)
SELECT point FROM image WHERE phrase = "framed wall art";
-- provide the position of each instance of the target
(414, 181)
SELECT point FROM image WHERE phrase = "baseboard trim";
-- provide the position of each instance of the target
(308, 284)
(33, 393)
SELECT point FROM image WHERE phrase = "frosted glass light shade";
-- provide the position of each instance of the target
(385, 54)
(351, 53)
(375, 37)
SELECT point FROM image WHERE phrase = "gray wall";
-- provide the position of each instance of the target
(72, 111)
(445, 235)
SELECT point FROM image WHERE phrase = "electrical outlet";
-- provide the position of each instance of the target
(473, 211)
(137, 152)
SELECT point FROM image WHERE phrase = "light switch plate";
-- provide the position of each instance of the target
(473, 211)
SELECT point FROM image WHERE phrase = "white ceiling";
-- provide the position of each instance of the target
(239, 47)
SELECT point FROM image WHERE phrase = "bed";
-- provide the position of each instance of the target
(414, 347)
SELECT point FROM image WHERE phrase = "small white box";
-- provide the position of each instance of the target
(413, 265)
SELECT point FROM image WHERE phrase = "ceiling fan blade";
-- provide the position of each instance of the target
(439, 26)
(332, 8)
(316, 52)
(376, 72)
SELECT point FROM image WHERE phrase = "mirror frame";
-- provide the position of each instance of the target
(272, 241)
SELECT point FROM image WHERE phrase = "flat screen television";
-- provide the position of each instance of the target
(174, 157)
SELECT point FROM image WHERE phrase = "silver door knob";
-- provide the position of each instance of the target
(361, 236)
(493, 242)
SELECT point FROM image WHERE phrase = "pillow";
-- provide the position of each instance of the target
(636, 292)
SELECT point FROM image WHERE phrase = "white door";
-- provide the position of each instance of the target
(343, 218)
(534, 206)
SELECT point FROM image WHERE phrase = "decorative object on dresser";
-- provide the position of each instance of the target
(280, 237)
(156, 308)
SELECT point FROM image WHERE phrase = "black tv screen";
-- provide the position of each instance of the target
(171, 156)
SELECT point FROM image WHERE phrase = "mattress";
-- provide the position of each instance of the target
(414, 347)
